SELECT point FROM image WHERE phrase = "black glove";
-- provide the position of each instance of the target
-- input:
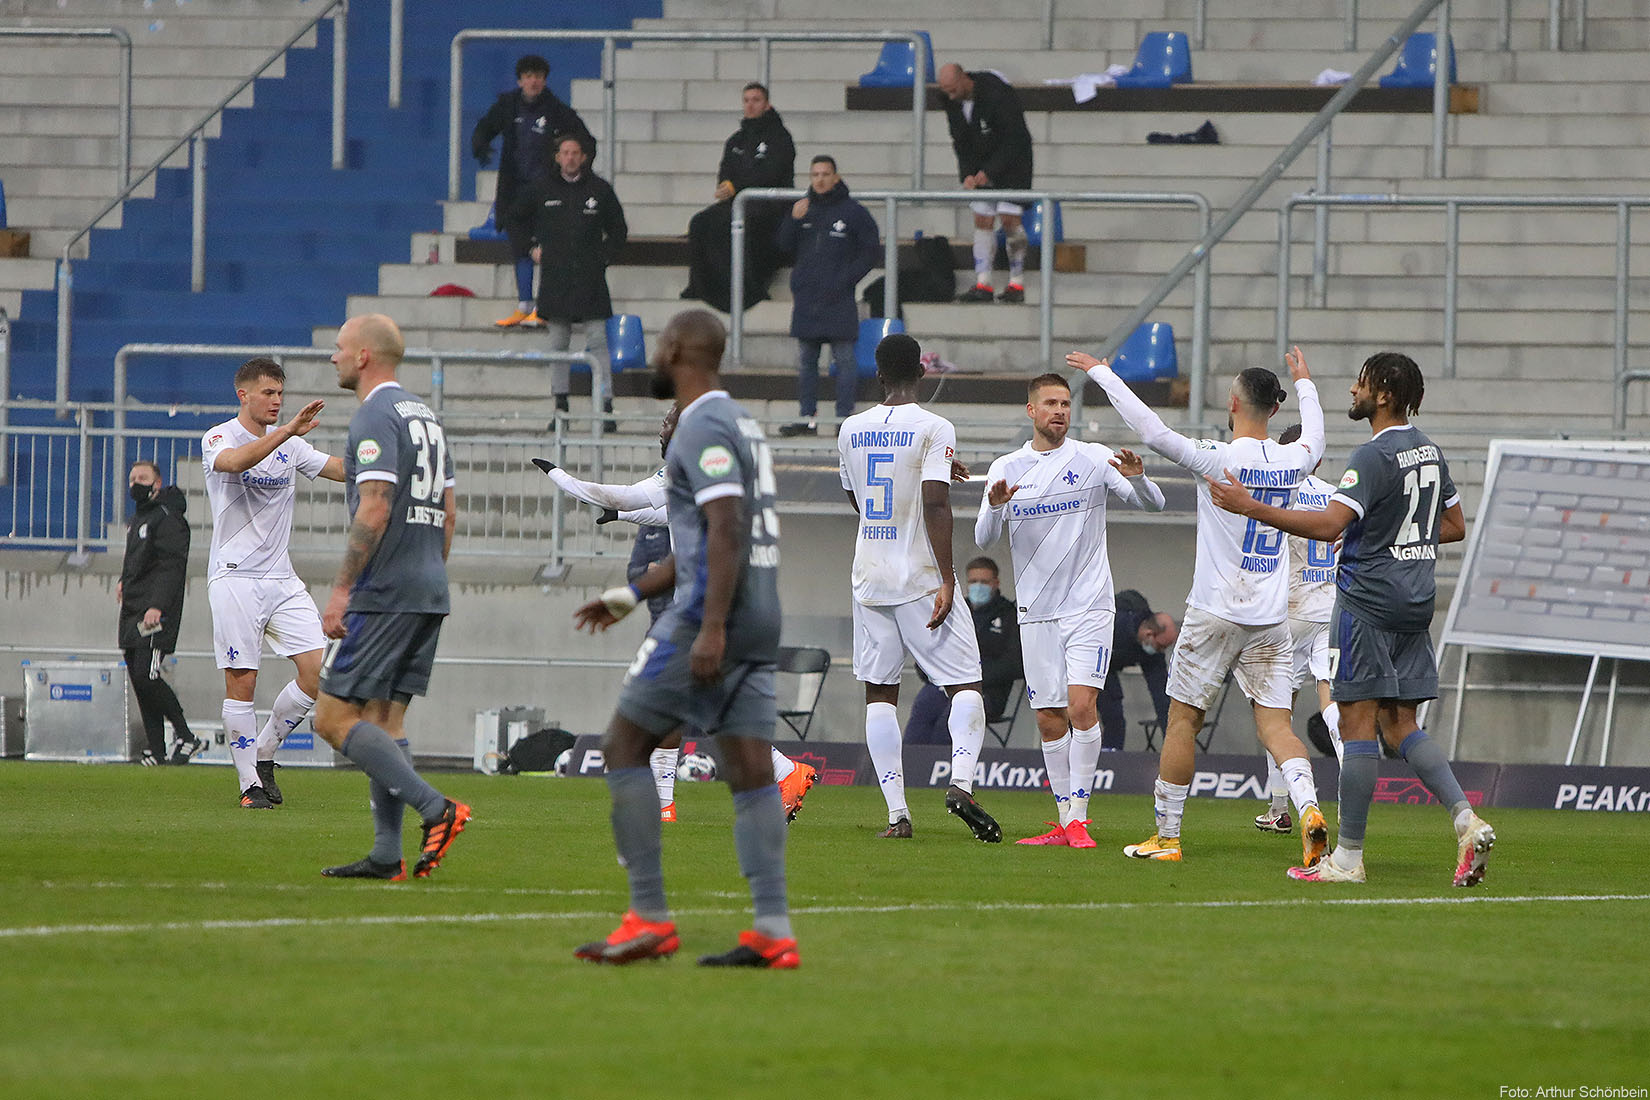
(544, 464)
(607, 515)
(483, 155)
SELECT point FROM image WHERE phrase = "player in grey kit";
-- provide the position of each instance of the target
(708, 661)
(389, 597)
(1393, 507)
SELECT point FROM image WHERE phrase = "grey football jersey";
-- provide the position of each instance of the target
(719, 451)
(1399, 485)
(395, 437)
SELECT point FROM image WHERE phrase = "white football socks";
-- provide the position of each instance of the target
(882, 737)
(1057, 758)
(662, 762)
(1332, 719)
(985, 249)
(1085, 762)
(291, 707)
(1303, 788)
(240, 726)
(782, 765)
(1276, 787)
(1170, 806)
(967, 726)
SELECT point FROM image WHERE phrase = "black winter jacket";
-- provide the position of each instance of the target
(759, 154)
(554, 117)
(581, 228)
(995, 140)
(155, 569)
(997, 626)
(835, 245)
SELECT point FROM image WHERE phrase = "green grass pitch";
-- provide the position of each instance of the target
(157, 941)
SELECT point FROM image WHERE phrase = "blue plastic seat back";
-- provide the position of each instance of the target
(1148, 354)
(1416, 61)
(1033, 223)
(1164, 58)
(895, 63)
(871, 332)
(488, 230)
(625, 346)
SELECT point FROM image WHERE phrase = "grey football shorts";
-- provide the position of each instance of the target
(1367, 662)
(660, 693)
(385, 655)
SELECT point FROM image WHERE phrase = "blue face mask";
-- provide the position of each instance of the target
(979, 594)
(1148, 648)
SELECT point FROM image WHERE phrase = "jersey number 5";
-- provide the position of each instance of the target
(885, 482)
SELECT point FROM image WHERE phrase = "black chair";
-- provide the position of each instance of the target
(1211, 720)
(808, 666)
(1002, 726)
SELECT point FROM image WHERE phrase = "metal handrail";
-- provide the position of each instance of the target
(1623, 380)
(890, 236)
(1503, 22)
(124, 41)
(609, 40)
(5, 386)
(337, 10)
(1452, 205)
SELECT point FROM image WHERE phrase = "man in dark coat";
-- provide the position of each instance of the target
(1140, 638)
(758, 154)
(833, 240)
(150, 592)
(993, 146)
(578, 228)
(526, 118)
(997, 627)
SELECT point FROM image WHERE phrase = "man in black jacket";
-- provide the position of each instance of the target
(993, 146)
(1142, 638)
(526, 118)
(150, 592)
(578, 228)
(758, 154)
(997, 626)
(834, 243)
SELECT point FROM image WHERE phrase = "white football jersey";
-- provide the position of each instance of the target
(1311, 563)
(252, 510)
(1242, 572)
(886, 454)
(1057, 525)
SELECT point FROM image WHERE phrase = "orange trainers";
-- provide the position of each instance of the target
(439, 835)
(1077, 834)
(794, 788)
(1055, 837)
(667, 812)
(758, 951)
(1314, 836)
(516, 317)
(633, 940)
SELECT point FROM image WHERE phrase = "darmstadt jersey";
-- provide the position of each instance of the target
(395, 437)
(252, 510)
(1057, 525)
(886, 453)
(719, 451)
(1311, 563)
(1242, 573)
(1399, 485)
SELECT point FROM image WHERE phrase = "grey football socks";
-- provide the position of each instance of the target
(374, 752)
(1358, 767)
(387, 814)
(1430, 765)
(759, 838)
(636, 835)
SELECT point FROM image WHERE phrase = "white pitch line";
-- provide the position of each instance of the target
(42, 931)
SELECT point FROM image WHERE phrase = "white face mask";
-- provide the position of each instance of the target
(1149, 649)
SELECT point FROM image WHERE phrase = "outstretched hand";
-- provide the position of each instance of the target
(594, 617)
(306, 418)
(1296, 363)
(1231, 495)
(959, 471)
(1001, 493)
(1082, 360)
(1128, 463)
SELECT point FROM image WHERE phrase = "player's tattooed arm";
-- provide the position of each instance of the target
(372, 516)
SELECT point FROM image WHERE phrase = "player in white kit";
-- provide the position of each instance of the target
(1236, 611)
(251, 471)
(896, 468)
(1311, 601)
(1051, 495)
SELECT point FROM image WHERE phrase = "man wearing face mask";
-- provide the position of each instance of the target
(1141, 638)
(150, 592)
(997, 627)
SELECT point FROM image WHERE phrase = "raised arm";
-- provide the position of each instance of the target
(1312, 435)
(647, 493)
(1141, 419)
(235, 460)
(988, 525)
(1129, 482)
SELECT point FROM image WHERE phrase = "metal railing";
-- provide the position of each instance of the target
(5, 386)
(124, 42)
(1503, 22)
(1623, 205)
(610, 39)
(336, 10)
(890, 261)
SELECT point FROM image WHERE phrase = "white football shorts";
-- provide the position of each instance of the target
(1061, 652)
(246, 610)
(1210, 647)
(1311, 648)
(949, 654)
(987, 209)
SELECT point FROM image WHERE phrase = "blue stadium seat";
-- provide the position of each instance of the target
(1147, 355)
(625, 345)
(895, 63)
(1033, 223)
(1417, 63)
(1164, 58)
(488, 230)
(871, 332)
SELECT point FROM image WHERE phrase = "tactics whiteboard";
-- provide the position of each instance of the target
(1559, 558)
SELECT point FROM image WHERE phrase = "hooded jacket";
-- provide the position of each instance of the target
(581, 228)
(835, 245)
(155, 569)
(995, 140)
(552, 117)
(759, 154)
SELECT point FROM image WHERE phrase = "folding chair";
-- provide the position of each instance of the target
(1211, 720)
(808, 664)
(1002, 727)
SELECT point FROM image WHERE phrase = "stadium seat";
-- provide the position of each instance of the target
(1002, 726)
(871, 332)
(1164, 58)
(1147, 355)
(895, 64)
(1033, 223)
(1417, 61)
(625, 344)
(488, 230)
(808, 665)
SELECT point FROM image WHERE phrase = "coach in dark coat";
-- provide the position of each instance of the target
(152, 578)
(758, 154)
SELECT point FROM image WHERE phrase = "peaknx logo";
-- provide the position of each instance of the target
(1597, 796)
(1011, 777)
(1228, 785)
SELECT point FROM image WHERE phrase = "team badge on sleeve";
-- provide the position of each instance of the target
(367, 452)
(1349, 479)
(716, 461)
